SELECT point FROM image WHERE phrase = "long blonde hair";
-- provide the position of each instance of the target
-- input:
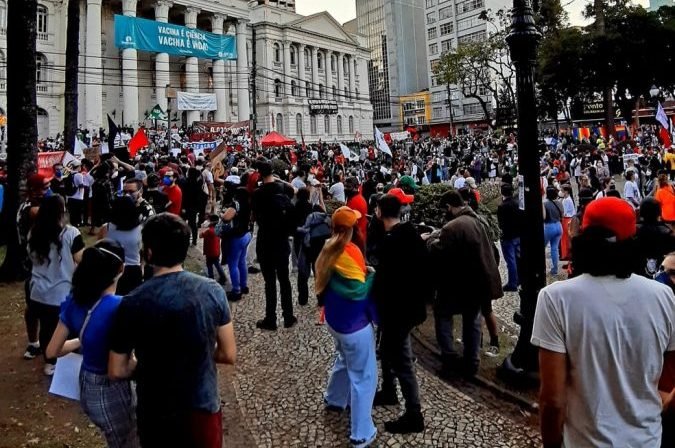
(332, 249)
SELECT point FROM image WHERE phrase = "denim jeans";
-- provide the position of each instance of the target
(353, 380)
(511, 251)
(236, 261)
(397, 363)
(552, 235)
(210, 263)
(471, 337)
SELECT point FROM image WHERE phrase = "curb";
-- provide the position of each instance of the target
(482, 381)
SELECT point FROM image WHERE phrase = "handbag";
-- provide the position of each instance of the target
(66, 380)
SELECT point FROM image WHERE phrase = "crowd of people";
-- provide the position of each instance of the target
(607, 336)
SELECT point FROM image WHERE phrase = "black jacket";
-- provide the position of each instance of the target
(654, 242)
(510, 218)
(401, 288)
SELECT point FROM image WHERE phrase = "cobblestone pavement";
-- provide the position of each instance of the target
(280, 378)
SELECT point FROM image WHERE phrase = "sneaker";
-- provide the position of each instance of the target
(288, 323)
(253, 270)
(332, 407)
(32, 351)
(410, 422)
(49, 369)
(234, 297)
(363, 443)
(492, 351)
(265, 324)
(385, 398)
(244, 290)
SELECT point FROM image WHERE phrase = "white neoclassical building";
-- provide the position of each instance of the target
(128, 83)
(311, 76)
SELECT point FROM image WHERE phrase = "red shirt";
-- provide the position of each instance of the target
(358, 203)
(211, 243)
(175, 195)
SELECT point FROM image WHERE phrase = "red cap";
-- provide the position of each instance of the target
(401, 196)
(613, 214)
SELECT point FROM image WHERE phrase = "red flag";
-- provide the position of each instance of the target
(665, 137)
(138, 141)
(293, 157)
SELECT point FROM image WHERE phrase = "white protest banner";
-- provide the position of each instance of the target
(398, 136)
(197, 101)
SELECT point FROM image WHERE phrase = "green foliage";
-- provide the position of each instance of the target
(426, 210)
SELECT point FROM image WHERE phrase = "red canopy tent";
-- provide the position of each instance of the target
(276, 139)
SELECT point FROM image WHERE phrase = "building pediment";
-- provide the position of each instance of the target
(322, 23)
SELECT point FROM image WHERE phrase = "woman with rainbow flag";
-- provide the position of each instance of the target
(343, 284)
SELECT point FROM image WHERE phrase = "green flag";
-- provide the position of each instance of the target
(156, 114)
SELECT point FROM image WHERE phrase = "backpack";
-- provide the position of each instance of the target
(69, 187)
(281, 214)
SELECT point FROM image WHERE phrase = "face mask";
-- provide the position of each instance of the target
(663, 277)
(58, 173)
(114, 174)
(166, 181)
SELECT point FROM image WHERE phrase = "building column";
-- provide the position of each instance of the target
(192, 65)
(301, 69)
(219, 72)
(162, 78)
(244, 110)
(329, 74)
(94, 74)
(130, 74)
(287, 67)
(352, 78)
(340, 76)
(315, 73)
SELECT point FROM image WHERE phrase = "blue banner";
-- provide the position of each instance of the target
(159, 37)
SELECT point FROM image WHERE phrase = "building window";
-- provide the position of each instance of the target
(277, 53)
(345, 66)
(446, 46)
(339, 124)
(351, 124)
(445, 13)
(432, 33)
(433, 49)
(280, 123)
(465, 24)
(431, 18)
(42, 14)
(40, 68)
(277, 88)
(332, 63)
(308, 58)
(326, 123)
(298, 123)
(447, 28)
(346, 93)
(294, 88)
(478, 36)
(472, 109)
(334, 92)
(431, 3)
(308, 90)
(356, 67)
(3, 14)
(469, 5)
(292, 55)
(312, 124)
(322, 91)
(319, 61)
(433, 64)
(437, 112)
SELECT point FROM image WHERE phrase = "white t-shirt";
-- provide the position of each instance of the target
(460, 182)
(631, 190)
(615, 333)
(337, 190)
(78, 181)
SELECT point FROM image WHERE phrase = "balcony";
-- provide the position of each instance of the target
(42, 36)
(42, 88)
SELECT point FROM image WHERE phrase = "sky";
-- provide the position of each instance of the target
(344, 10)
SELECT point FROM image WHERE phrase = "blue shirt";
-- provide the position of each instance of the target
(95, 340)
(170, 322)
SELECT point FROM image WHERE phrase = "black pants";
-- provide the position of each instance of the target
(131, 278)
(191, 218)
(273, 259)
(48, 317)
(396, 358)
(75, 208)
(311, 253)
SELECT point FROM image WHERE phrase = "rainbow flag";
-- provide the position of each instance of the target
(350, 278)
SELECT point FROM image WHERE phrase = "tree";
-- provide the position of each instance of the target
(22, 121)
(72, 66)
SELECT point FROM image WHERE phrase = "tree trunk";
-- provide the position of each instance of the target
(72, 65)
(21, 122)
(452, 115)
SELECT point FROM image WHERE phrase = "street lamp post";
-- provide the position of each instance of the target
(523, 41)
